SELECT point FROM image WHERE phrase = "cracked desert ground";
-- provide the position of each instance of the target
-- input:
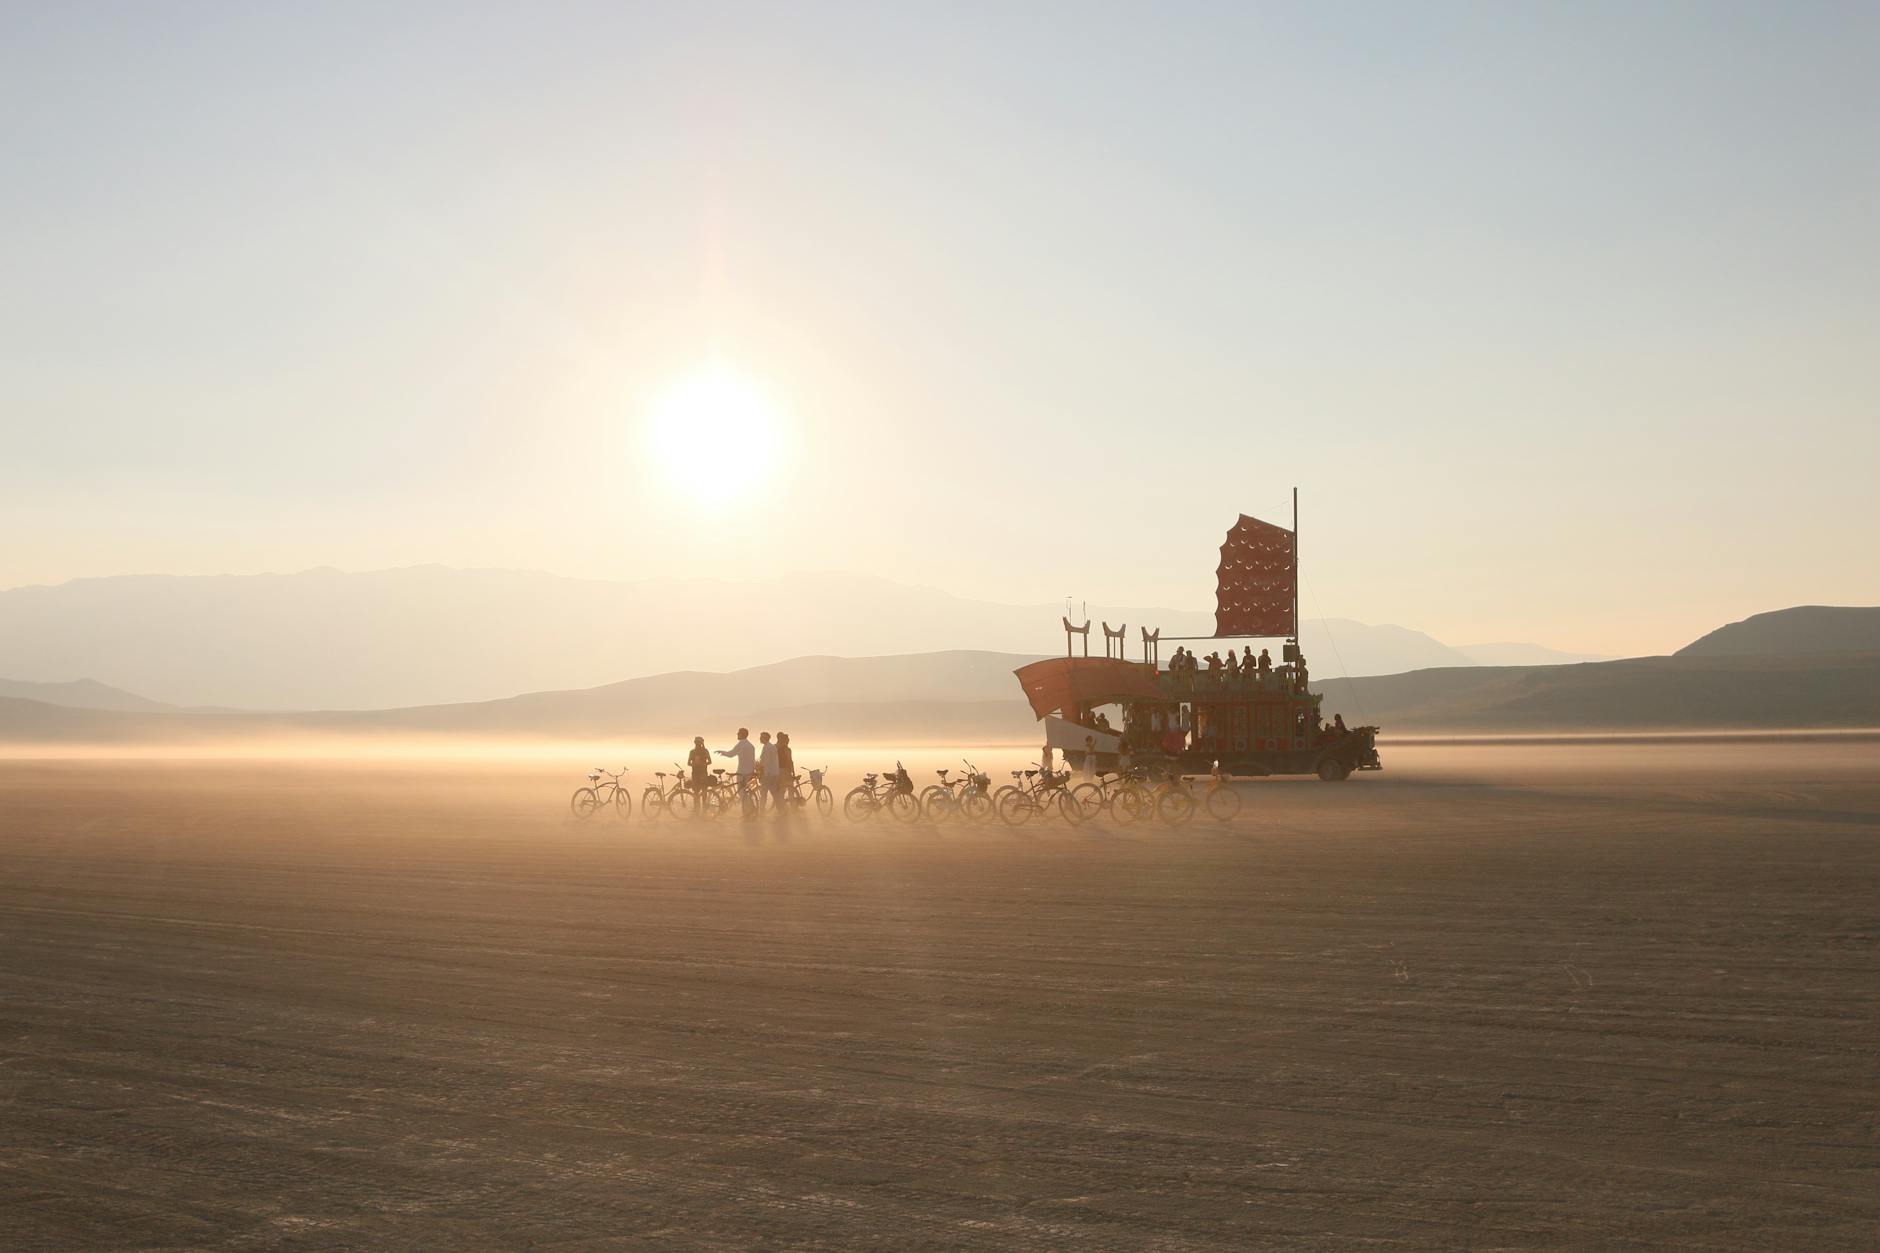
(1495, 997)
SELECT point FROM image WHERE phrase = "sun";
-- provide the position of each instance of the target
(715, 438)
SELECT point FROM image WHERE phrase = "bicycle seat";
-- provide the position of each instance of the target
(593, 774)
(941, 773)
(1030, 773)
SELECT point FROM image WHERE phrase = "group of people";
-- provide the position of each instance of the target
(770, 760)
(1234, 666)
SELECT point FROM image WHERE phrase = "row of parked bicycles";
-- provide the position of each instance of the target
(1132, 795)
(672, 795)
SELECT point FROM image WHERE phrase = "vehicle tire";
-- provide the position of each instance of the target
(904, 807)
(1332, 770)
(584, 802)
(1175, 807)
(976, 806)
(1223, 802)
(1016, 808)
(681, 803)
(1088, 797)
(859, 804)
(652, 801)
(936, 803)
(623, 803)
(1069, 809)
(711, 803)
(1128, 804)
(825, 801)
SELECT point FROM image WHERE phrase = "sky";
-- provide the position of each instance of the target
(1562, 318)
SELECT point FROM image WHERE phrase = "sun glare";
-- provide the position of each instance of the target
(716, 439)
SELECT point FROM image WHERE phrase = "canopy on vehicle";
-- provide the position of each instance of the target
(1068, 682)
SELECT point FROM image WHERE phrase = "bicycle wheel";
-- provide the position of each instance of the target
(1128, 803)
(975, 806)
(1176, 806)
(1068, 808)
(859, 804)
(652, 801)
(1223, 801)
(584, 802)
(936, 803)
(904, 807)
(682, 802)
(825, 801)
(1089, 798)
(1016, 808)
(623, 803)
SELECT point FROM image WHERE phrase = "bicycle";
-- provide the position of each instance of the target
(890, 792)
(605, 787)
(805, 790)
(741, 792)
(1044, 790)
(658, 796)
(1175, 801)
(967, 797)
(1125, 796)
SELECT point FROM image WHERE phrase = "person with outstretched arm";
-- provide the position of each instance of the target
(746, 753)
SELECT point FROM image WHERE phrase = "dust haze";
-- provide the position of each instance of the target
(1517, 995)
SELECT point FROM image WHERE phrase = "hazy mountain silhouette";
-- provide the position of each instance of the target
(1697, 693)
(1516, 654)
(1803, 629)
(965, 697)
(78, 694)
(323, 639)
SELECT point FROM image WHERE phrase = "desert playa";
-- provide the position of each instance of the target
(1541, 996)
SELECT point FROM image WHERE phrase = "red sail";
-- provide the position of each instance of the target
(1259, 581)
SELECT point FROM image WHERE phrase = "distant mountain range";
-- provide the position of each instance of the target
(1803, 629)
(323, 639)
(971, 697)
(79, 694)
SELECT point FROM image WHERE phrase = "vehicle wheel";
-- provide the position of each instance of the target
(584, 802)
(1127, 804)
(936, 803)
(825, 801)
(652, 801)
(904, 807)
(681, 803)
(1088, 797)
(1176, 806)
(1015, 808)
(711, 803)
(858, 805)
(1332, 770)
(1223, 802)
(623, 803)
(1069, 809)
(976, 806)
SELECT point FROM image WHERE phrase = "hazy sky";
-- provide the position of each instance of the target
(1565, 319)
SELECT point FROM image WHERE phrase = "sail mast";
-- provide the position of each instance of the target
(1295, 572)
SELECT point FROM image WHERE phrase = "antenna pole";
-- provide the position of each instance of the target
(1295, 565)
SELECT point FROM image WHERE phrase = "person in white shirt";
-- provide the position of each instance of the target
(745, 752)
